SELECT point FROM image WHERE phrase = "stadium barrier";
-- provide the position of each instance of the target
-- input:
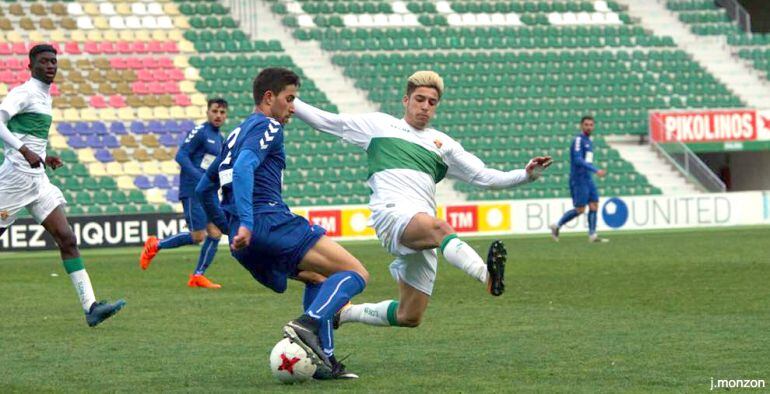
(471, 218)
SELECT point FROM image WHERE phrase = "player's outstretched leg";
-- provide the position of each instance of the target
(566, 218)
(96, 312)
(345, 277)
(153, 245)
(208, 251)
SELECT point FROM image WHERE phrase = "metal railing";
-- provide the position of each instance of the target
(248, 16)
(688, 163)
(737, 13)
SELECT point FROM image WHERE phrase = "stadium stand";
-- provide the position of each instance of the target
(134, 78)
(705, 18)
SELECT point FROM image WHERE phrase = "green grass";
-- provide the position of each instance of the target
(648, 312)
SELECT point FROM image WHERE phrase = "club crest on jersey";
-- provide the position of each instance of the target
(3, 215)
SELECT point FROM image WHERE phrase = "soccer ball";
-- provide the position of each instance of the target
(289, 362)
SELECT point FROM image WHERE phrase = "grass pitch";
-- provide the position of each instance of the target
(648, 312)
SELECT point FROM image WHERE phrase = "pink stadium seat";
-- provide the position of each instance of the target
(20, 48)
(165, 62)
(155, 47)
(160, 75)
(175, 74)
(72, 48)
(145, 75)
(157, 88)
(14, 64)
(170, 47)
(139, 47)
(98, 102)
(5, 48)
(140, 88)
(6, 76)
(182, 100)
(134, 63)
(124, 47)
(21, 76)
(150, 62)
(118, 63)
(107, 47)
(55, 90)
(91, 47)
(117, 101)
(171, 87)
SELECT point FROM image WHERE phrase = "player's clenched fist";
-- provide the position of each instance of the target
(242, 239)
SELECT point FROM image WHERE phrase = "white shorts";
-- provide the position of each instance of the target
(19, 190)
(417, 268)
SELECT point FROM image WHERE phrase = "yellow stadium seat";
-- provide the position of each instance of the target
(86, 155)
(159, 35)
(58, 36)
(171, 9)
(120, 155)
(14, 36)
(114, 169)
(57, 115)
(161, 113)
(126, 113)
(101, 23)
(108, 114)
(97, 169)
(126, 35)
(151, 168)
(3, 89)
(180, 22)
(36, 36)
(132, 168)
(198, 99)
(175, 35)
(71, 115)
(177, 112)
(89, 115)
(141, 35)
(181, 61)
(150, 141)
(186, 46)
(126, 183)
(187, 87)
(78, 36)
(107, 9)
(169, 167)
(156, 196)
(144, 113)
(58, 142)
(195, 113)
(123, 9)
(110, 35)
(94, 35)
(91, 9)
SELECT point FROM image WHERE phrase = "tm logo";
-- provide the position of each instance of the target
(615, 212)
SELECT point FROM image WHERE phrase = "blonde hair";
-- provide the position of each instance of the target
(429, 79)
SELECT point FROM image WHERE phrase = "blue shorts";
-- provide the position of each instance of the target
(194, 214)
(583, 193)
(278, 243)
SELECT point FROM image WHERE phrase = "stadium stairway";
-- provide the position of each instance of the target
(710, 51)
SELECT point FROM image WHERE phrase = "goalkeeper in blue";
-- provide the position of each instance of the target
(271, 242)
(581, 183)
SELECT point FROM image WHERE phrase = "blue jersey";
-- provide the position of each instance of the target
(196, 153)
(581, 158)
(249, 168)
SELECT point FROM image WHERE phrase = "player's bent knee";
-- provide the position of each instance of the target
(68, 243)
(213, 232)
(580, 210)
(198, 236)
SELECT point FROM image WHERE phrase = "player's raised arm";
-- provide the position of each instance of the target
(467, 167)
(206, 191)
(356, 129)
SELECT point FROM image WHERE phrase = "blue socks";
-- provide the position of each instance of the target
(335, 292)
(591, 222)
(325, 328)
(176, 241)
(208, 251)
(569, 215)
(311, 291)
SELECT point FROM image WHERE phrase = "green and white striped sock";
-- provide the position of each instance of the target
(81, 281)
(379, 314)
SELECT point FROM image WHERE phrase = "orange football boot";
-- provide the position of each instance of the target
(201, 281)
(149, 252)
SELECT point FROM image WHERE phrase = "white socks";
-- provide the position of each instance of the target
(85, 291)
(464, 257)
(380, 314)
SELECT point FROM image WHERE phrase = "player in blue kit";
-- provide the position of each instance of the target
(271, 242)
(581, 183)
(196, 153)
